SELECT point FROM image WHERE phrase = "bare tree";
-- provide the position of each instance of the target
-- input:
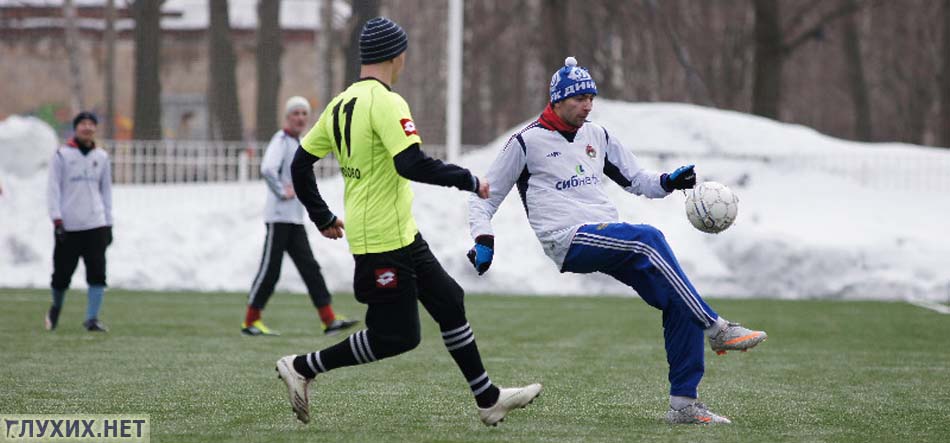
(695, 86)
(556, 39)
(475, 127)
(268, 67)
(72, 53)
(325, 51)
(945, 79)
(857, 81)
(362, 11)
(769, 58)
(109, 77)
(719, 39)
(905, 70)
(225, 110)
(774, 44)
(148, 86)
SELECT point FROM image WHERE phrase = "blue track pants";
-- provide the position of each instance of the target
(639, 256)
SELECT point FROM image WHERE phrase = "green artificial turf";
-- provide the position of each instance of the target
(830, 371)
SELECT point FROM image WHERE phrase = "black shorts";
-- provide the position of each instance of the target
(91, 245)
(387, 277)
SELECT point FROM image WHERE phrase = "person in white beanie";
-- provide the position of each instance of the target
(283, 217)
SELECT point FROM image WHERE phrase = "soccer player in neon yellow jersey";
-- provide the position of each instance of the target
(369, 129)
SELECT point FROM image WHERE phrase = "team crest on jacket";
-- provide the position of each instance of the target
(591, 152)
(408, 127)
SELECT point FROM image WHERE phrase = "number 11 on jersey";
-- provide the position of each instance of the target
(348, 112)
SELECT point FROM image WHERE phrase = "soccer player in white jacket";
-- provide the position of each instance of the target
(79, 199)
(560, 164)
(283, 216)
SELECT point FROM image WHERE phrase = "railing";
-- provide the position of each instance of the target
(168, 162)
(174, 162)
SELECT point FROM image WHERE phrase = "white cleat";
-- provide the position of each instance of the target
(297, 387)
(695, 414)
(508, 399)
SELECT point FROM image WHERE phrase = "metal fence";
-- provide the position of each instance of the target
(173, 162)
(177, 162)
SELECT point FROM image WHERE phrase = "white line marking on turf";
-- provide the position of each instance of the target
(933, 306)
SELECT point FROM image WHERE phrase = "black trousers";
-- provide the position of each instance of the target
(91, 246)
(290, 238)
(392, 282)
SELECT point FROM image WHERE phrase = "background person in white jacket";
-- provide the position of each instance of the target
(79, 199)
(283, 216)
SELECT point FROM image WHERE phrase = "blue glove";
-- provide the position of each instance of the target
(482, 253)
(682, 178)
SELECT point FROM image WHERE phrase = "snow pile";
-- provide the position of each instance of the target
(814, 220)
(26, 144)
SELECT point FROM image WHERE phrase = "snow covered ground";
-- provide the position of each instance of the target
(818, 217)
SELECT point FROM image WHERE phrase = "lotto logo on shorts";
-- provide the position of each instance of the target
(386, 278)
(408, 127)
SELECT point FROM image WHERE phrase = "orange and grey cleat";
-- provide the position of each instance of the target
(734, 337)
(695, 414)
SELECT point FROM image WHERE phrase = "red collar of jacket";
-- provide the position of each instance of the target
(551, 121)
(291, 134)
(75, 144)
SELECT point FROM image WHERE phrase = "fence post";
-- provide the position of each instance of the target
(242, 166)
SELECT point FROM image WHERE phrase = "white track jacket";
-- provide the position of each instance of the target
(275, 168)
(79, 191)
(561, 183)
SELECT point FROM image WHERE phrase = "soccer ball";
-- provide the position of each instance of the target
(711, 207)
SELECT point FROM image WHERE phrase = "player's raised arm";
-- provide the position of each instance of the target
(413, 164)
(621, 166)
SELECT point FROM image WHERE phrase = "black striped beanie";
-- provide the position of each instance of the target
(381, 40)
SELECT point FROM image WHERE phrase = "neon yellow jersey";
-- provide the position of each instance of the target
(365, 127)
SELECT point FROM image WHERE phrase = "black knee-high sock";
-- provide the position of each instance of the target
(353, 351)
(460, 343)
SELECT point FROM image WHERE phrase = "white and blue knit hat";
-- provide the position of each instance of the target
(571, 80)
(380, 40)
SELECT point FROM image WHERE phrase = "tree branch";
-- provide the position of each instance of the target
(695, 86)
(842, 10)
(800, 16)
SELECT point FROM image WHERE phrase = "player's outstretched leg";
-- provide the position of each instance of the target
(443, 298)
(365, 346)
(494, 403)
(639, 256)
(393, 328)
